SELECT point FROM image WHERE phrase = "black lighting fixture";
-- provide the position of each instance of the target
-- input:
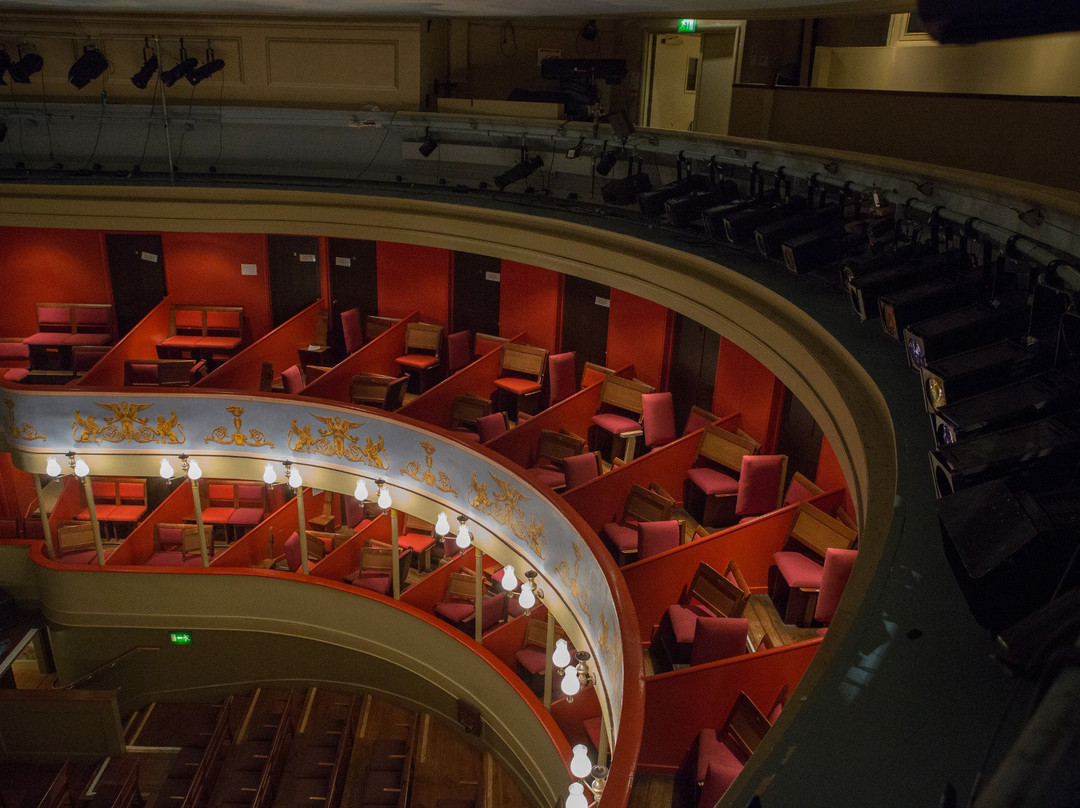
(525, 168)
(181, 69)
(25, 67)
(607, 162)
(149, 68)
(207, 69)
(574, 152)
(429, 145)
(5, 62)
(87, 67)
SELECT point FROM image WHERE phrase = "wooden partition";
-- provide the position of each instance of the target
(679, 704)
(67, 505)
(139, 343)
(345, 559)
(601, 500)
(424, 594)
(242, 373)
(573, 414)
(506, 640)
(571, 715)
(376, 356)
(139, 544)
(657, 582)
(477, 379)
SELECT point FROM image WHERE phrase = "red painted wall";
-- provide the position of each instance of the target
(204, 269)
(639, 333)
(411, 278)
(530, 300)
(48, 266)
(746, 386)
(830, 476)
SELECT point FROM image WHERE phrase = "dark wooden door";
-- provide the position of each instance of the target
(294, 274)
(586, 305)
(137, 274)
(476, 292)
(800, 438)
(354, 283)
(693, 366)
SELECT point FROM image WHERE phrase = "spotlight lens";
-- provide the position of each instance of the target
(946, 435)
(915, 350)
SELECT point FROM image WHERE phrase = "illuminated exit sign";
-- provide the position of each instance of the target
(687, 26)
(180, 637)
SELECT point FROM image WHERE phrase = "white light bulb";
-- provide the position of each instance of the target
(194, 471)
(464, 538)
(384, 498)
(576, 798)
(580, 765)
(442, 525)
(52, 468)
(165, 469)
(81, 469)
(570, 683)
(527, 599)
(560, 658)
(295, 480)
(361, 493)
(269, 475)
(509, 580)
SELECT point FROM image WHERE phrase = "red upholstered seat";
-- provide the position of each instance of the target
(717, 766)
(520, 387)
(760, 482)
(712, 482)
(656, 537)
(717, 638)
(797, 492)
(657, 419)
(562, 377)
(458, 351)
(579, 469)
(531, 659)
(127, 513)
(217, 515)
(456, 611)
(548, 476)
(490, 426)
(292, 380)
(351, 331)
(614, 423)
(374, 581)
(624, 537)
(697, 419)
(417, 542)
(292, 551)
(219, 343)
(172, 558)
(246, 516)
(798, 571)
(16, 375)
(46, 338)
(83, 556)
(834, 577)
(417, 361)
(684, 621)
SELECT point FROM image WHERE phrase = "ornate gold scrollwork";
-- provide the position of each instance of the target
(23, 431)
(335, 441)
(570, 581)
(125, 424)
(221, 434)
(439, 480)
(505, 508)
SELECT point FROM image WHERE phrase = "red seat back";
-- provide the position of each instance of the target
(658, 418)
(351, 331)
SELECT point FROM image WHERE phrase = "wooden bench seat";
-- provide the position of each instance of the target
(204, 331)
(117, 501)
(521, 377)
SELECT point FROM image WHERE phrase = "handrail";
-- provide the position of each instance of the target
(138, 649)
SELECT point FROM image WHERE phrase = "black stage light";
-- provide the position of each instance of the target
(740, 227)
(652, 202)
(899, 309)
(208, 68)
(965, 328)
(1009, 547)
(87, 67)
(626, 191)
(519, 172)
(952, 378)
(1044, 452)
(682, 211)
(182, 68)
(621, 125)
(28, 65)
(146, 72)
(1043, 395)
(771, 237)
(606, 162)
(428, 146)
(5, 62)
(866, 289)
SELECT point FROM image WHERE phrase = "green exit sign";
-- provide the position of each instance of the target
(687, 26)
(180, 637)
